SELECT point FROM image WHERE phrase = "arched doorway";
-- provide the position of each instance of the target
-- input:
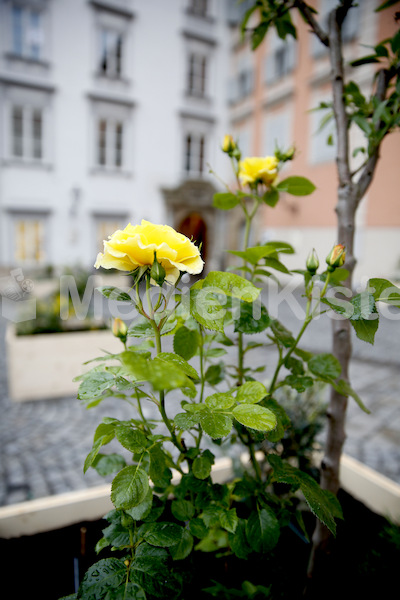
(195, 228)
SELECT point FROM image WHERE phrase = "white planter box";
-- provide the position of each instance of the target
(43, 366)
(377, 492)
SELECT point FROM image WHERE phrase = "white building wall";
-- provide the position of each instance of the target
(66, 188)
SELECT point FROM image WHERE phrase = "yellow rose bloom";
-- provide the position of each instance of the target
(256, 169)
(135, 246)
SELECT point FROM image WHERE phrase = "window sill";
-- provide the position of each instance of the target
(26, 163)
(27, 60)
(197, 15)
(198, 96)
(111, 77)
(110, 172)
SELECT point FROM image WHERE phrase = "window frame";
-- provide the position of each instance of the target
(27, 48)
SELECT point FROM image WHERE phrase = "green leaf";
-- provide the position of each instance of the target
(283, 335)
(105, 464)
(141, 328)
(163, 534)
(115, 293)
(262, 530)
(129, 488)
(325, 366)
(296, 186)
(364, 306)
(102, 578)
(254, 254)
(201, 467)
(170, 357)
(271, 197)
(186, 421)
(207, 310)
(299, 382)
(215, 373)
(216, 425)
(162, 375)
(253, 318)
(220, 401)
(229, 520)
(384, 291)
(95, 384)
(130, 590)
(366, 329)
(255, 417)
(142, 510)
(344, 388)
(198, 528)
(98, 443)
(183, 510)
(230, 284)
(225, 200)
(159, 473)
(283, 421)
(238, 541)
(131, 439)
(183, 548)
(150, 571)
(319, 501)
(251, 392)
(186, 342)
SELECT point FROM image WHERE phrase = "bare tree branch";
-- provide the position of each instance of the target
(308, 15)
(339, 108)
(367, 174)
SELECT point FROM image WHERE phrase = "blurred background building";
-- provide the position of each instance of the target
(272, 94)
(113, 110)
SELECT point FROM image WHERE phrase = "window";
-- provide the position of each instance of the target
(198, 7)
(27, 32)
(110, 135)
(105, 226)
(29, 240)
(111, 43)
(280, 60)
(26, 132)
(194, 160)
(197, 74)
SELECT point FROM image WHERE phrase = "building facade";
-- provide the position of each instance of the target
(105, 107)
(272, 94)
(114, 110)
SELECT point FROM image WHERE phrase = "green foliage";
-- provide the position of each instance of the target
(168, 507)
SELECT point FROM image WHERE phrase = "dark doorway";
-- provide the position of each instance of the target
(194, 227)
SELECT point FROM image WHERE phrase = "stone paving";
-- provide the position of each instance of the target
(43, 444)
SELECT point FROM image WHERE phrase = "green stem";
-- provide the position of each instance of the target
(254, 462)
(308, 318)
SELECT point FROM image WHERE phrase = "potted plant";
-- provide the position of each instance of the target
(173, 528)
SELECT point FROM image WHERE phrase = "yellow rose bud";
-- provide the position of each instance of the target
(134, 247)
(119, 329)
(336, 257)
(255, 170)
(312, 262)
(228, 145)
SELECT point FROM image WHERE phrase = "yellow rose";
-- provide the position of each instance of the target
(135, 246)
(228, 145)
(256, 169)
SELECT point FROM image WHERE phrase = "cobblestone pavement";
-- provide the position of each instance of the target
(43, 444)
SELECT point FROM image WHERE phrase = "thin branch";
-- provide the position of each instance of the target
(339, 108)
(308, 15)
(363, 183)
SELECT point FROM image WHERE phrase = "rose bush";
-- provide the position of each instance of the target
(136, 246)
(168, 507)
